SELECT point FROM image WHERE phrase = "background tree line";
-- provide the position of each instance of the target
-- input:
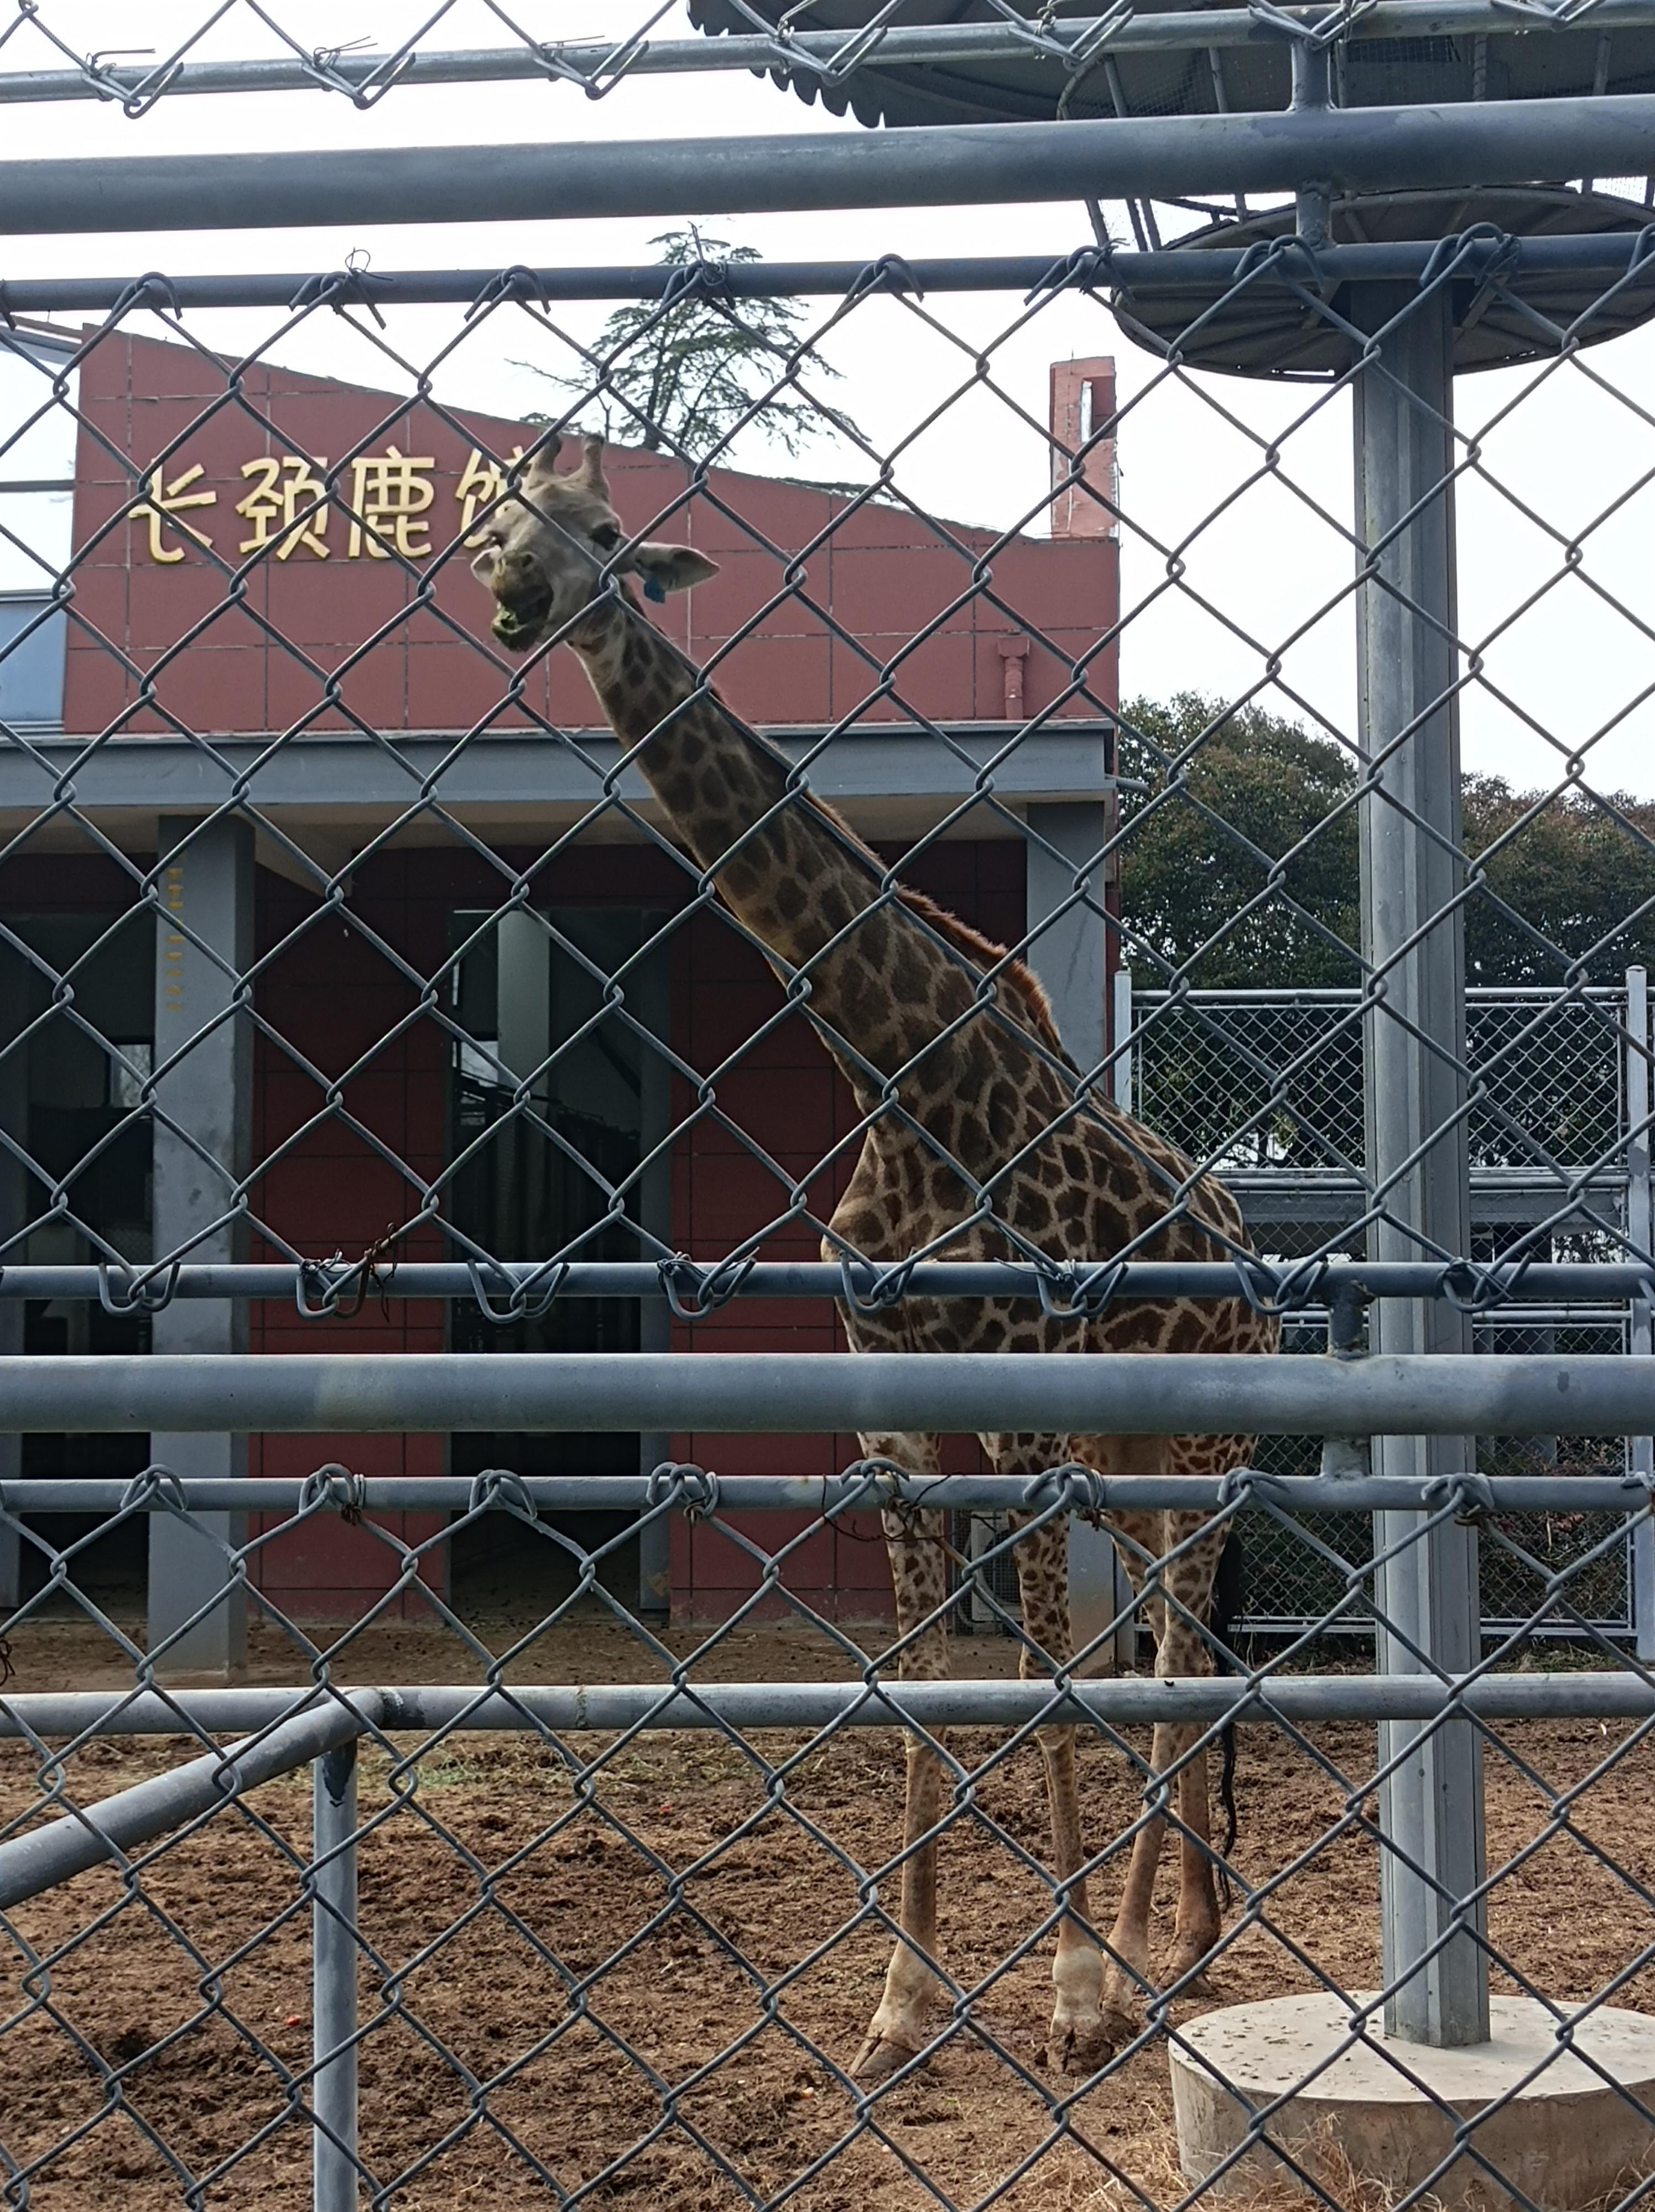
(1577, 872)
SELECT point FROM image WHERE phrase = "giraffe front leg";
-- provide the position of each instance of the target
(1129, 1943)
(900, 2028)
(1076, 2042)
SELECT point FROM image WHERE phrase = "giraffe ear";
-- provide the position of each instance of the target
(591, 471)
(542, 462)
(667, 568)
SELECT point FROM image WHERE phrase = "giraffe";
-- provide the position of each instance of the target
(909, 999)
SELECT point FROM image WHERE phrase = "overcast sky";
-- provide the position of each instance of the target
(1564, 445)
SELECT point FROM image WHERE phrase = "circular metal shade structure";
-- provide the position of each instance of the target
(1262, 328)
(1531, 62)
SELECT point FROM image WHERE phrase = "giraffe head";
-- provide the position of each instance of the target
(546, 551)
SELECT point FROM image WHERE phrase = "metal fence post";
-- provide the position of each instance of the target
(1120, 1030)
(333, 1979)
(1641, 1335)
(1431, 1808)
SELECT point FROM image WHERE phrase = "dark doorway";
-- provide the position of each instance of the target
(74, 1097)
(530, 988)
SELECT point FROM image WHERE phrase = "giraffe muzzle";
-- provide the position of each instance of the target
(519, 623)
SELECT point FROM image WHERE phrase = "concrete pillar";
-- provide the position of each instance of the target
(13, 1211)
(203, 1060)
(1070, 956)
(523, 1011)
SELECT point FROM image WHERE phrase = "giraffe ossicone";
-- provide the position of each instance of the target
(984, 1099)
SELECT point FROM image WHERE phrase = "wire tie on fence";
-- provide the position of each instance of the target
(1267, 1292)
(156, 1481)
(698, 1487)
(708, 1290)
(1471, 1494)
(315, 1274)
(519, 1305)
(700, 279)
(666, 1482)
(501, 1485)
(882, 1480)
(1086, 266)
(1085, 1292)
(890, 273)
(1069, 1486)
(339, 289)
(146, 1294)
(367, 1271)
(1471, 1288)
(887, 1287)
(138, 293)
(337, 1487)
(1448, 250)
(518, 283)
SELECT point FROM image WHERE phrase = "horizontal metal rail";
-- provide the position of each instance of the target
(836, 55)
(118, 1826)
(1602, 253)
(124, 1823)
(319, 1287)
(158, 1490)
(1369, 148)
(965, 1702)
(1057, 1394)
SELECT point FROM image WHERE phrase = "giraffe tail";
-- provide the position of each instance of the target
(1228, 1603)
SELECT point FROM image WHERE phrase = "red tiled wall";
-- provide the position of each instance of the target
(298, 640)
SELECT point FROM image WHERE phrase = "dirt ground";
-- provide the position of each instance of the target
(633, 1977)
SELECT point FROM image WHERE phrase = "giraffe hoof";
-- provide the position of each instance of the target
(1188, 1956)
(1081, 2043)
(880, 2057)
(1077, 2051)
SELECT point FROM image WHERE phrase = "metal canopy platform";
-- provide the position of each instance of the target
(1074, 63)
(1300, 324)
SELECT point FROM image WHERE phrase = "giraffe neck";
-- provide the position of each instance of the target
(795, 876)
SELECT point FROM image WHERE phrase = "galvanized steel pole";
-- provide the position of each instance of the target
(333, 1979)
(965, 165)
(1640, 1334)
(1414, 940)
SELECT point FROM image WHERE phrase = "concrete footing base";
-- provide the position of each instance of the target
(1567, 2139)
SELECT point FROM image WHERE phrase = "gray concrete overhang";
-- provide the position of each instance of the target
(331, 791)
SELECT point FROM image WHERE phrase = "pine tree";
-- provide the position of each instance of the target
(685, 378)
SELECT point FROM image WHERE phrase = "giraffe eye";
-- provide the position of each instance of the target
(605, 537)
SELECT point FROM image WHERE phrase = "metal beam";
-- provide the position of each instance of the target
(1296, 1288)
(751, 1393)
(125, 1823)
(832, 55)
(470, 1708)
(816, 1493)
(1371, 150)
(1604, 254)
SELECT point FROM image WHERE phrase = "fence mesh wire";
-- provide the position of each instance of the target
(337, 927)
(628, 1954)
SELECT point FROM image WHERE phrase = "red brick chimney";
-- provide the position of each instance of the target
(1082, 398)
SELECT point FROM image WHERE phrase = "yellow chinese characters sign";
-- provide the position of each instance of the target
(386, 501)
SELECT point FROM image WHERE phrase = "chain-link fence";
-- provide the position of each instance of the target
(624, 1937)
(716, 974)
